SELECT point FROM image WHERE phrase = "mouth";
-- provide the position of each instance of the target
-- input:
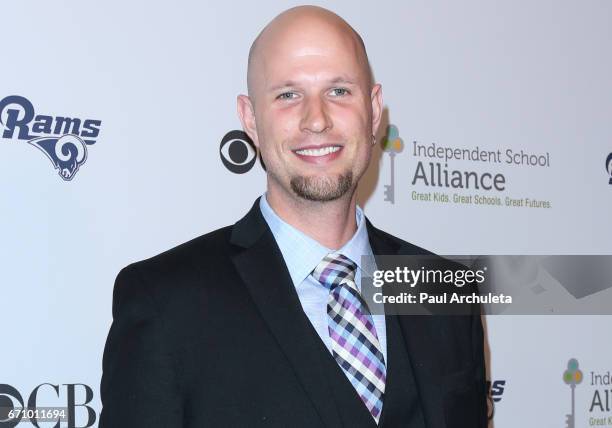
(319, 154)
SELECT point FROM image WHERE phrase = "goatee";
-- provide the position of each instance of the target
(322, 189)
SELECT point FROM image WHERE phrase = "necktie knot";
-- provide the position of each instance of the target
(335, 269)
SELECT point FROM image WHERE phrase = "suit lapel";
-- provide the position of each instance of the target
(263, 270)
(413, 328)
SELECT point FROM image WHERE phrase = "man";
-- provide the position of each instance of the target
(261, 323)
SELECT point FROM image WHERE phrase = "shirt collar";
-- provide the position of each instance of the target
(302, 253)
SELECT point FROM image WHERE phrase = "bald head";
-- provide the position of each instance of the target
(312, 110)
(303, 30)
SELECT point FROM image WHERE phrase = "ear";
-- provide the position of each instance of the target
(377, 107)
(246, 114)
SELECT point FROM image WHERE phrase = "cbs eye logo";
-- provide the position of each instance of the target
(238, 152)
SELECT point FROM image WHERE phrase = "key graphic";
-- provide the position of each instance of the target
(392, 144)
(572, 376)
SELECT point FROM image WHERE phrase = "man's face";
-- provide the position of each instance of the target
(313, 111)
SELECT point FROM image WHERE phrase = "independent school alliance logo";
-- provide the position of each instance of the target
(63, 140)
(598, 392)
(572, 376)
(392, 144)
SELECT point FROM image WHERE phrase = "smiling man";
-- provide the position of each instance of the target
(312, 110)
(262, 323)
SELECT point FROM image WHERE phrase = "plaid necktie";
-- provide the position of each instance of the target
(355, 343)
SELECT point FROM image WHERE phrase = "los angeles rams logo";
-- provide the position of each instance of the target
(63, 140)
(67, 153)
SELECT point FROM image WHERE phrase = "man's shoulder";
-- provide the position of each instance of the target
(172, 280)
(205, 260)
(210, 249)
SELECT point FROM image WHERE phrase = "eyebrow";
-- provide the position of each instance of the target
(291, 83)
(343, 80)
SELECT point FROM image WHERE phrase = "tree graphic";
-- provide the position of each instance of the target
(392, 144)
(572, 376)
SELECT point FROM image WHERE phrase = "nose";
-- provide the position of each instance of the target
(315, 116)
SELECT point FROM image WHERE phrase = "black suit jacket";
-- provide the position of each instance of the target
(212, 333)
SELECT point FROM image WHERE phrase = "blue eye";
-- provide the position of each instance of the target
(340, 91)
(286, 96)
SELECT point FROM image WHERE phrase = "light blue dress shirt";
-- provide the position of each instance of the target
(302, 254)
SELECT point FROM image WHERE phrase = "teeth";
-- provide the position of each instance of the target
(318, 152)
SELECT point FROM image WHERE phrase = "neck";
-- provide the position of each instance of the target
(330, 223)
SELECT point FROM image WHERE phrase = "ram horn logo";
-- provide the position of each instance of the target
(67, 153)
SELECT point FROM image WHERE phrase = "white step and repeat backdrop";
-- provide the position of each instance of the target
(517, 90)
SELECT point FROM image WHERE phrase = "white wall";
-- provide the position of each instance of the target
(163, 77)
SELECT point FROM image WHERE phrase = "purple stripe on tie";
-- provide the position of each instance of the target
(338, 338)
(326, 272)
(350, 305)
(363, 318)
(364, 359)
